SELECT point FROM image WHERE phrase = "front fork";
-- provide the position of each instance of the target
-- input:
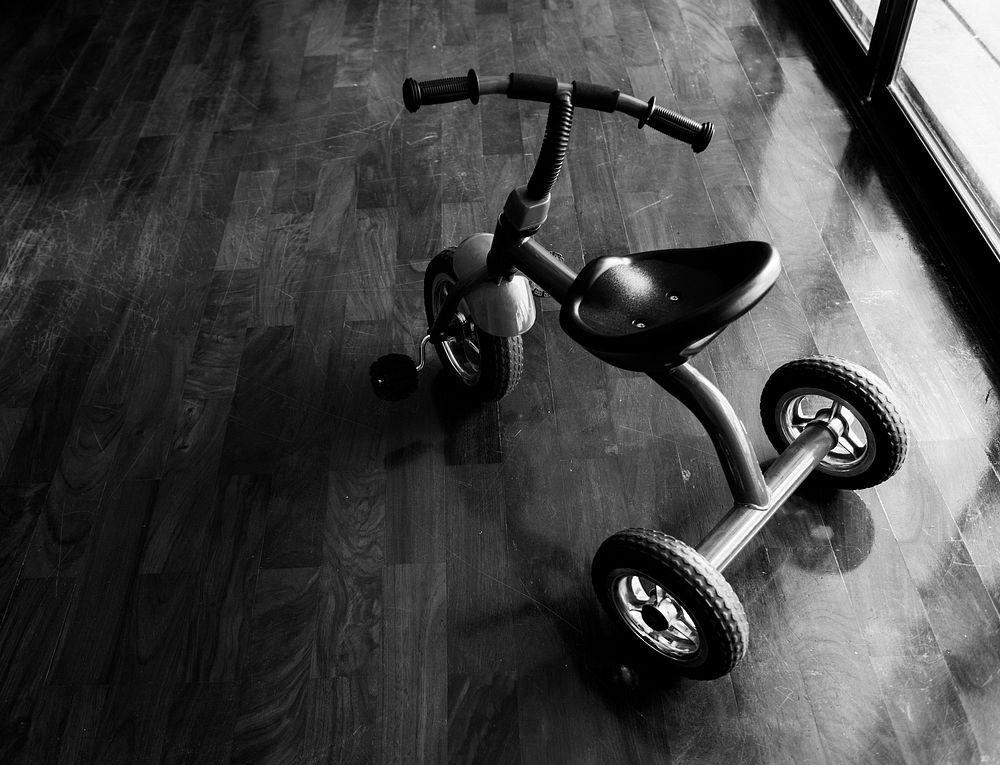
(510, 250)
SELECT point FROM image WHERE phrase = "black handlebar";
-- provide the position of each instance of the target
(442, 91)
(537, 88)
(678, 126)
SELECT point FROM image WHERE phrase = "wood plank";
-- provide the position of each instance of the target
(246, 227)
(132, 724)
(151, 648)
(181, 518)
(283, 627)
(200, 723)
(257, 417)
(214, 367)
(484, 597)
(205, 226)
(355, 55)
(149, 420)
(598, 210)
(87, 654)
(49, 422)
(34, 618)
(22, 506)
(351, 590)
(414, 681)
(415, 512)
(41, 324)
(220, 617)
(501, 125)
(482, 719)
(68, 730)
(283, 263)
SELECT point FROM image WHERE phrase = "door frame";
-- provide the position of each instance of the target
(949, 213)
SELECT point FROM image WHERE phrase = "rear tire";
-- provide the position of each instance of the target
(875, 444)
(487, 367)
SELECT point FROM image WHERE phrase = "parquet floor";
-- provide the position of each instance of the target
(217, 546)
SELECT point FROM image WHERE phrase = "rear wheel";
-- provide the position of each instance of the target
(487, 366)
(874, 443)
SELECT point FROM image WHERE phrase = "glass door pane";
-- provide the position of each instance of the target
(950, 79)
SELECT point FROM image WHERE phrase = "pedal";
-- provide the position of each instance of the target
(538, 291)
(394, 377)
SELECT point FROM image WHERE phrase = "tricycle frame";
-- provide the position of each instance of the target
(757, 495)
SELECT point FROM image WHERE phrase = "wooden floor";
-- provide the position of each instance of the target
(217, 546)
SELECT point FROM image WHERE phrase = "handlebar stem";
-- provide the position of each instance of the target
(554, 146)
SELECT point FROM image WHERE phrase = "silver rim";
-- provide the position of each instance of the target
(654, 614)
(855, 450)
(461, 344)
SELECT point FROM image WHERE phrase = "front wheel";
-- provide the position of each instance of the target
(874, 444)
(487, 366)
(679, 611)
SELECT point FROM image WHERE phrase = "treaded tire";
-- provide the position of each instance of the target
(868, 399)
(692, 583)
(493, 371)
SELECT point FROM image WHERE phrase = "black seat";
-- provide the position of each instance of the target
(663, 306)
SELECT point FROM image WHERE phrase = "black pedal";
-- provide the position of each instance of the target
(394, 377)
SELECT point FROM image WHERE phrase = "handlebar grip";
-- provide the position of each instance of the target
(676, 125)
(442, 91)
(589, 96)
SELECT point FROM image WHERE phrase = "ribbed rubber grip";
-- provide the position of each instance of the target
(586, 95)
(445, 90)
(676, 125)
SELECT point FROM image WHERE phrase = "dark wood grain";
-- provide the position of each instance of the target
(87, 652)
(72, 714)
(35, 617)
(22, 506)
(200, 723)
(132, 725)
(37, 334)
(279, 666)
(482, 719)
(501, 126)
(183, 511)
(219, 634)
(216, 544)
(351, 600)
(414, 681)
(57, 413)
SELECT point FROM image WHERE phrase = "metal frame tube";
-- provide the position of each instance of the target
(735, 531)
(728, 434)
(543, 268)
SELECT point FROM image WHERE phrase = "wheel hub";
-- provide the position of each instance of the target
(854, 450)
(655, 615)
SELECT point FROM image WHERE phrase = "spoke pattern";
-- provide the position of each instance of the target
(461, 341)
(678, 637)
(852, 447)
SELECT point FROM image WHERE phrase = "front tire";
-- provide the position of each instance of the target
(677, 610)
(488, 367)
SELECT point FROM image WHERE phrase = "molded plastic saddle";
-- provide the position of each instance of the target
(663, 306)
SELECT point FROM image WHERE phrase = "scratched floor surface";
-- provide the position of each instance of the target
(217, 546)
